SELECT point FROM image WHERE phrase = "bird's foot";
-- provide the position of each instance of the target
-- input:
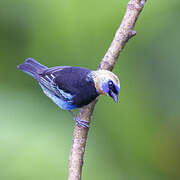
(82, 123)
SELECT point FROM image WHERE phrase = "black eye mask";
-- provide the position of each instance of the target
(112, 87)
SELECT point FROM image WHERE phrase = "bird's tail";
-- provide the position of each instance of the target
(31, 67)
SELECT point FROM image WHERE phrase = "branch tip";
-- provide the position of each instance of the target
(142, 2)
(132, 33)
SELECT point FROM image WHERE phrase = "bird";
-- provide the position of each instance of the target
(72, 87)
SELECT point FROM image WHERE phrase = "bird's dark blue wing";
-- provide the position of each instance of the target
(48, 79)
(70, 84)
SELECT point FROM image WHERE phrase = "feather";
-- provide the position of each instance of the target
(70, 84)
(31, 67)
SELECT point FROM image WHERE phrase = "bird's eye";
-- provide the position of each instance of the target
(110, 84)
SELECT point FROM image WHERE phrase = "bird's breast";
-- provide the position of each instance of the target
(85, 96)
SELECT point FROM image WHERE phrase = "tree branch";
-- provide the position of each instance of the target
(123, 34)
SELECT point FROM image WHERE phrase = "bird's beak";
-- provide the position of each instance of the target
(114, 96)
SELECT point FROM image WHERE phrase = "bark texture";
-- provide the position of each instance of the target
(123, 34)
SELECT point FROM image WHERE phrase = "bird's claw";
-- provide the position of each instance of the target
(82, 123)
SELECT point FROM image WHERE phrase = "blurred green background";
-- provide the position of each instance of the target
(136, 139)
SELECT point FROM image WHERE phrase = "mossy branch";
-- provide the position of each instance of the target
(123, 34)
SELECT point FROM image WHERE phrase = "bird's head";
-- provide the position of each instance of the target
(107, 83)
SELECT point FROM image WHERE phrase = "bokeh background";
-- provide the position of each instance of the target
(136, 139)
